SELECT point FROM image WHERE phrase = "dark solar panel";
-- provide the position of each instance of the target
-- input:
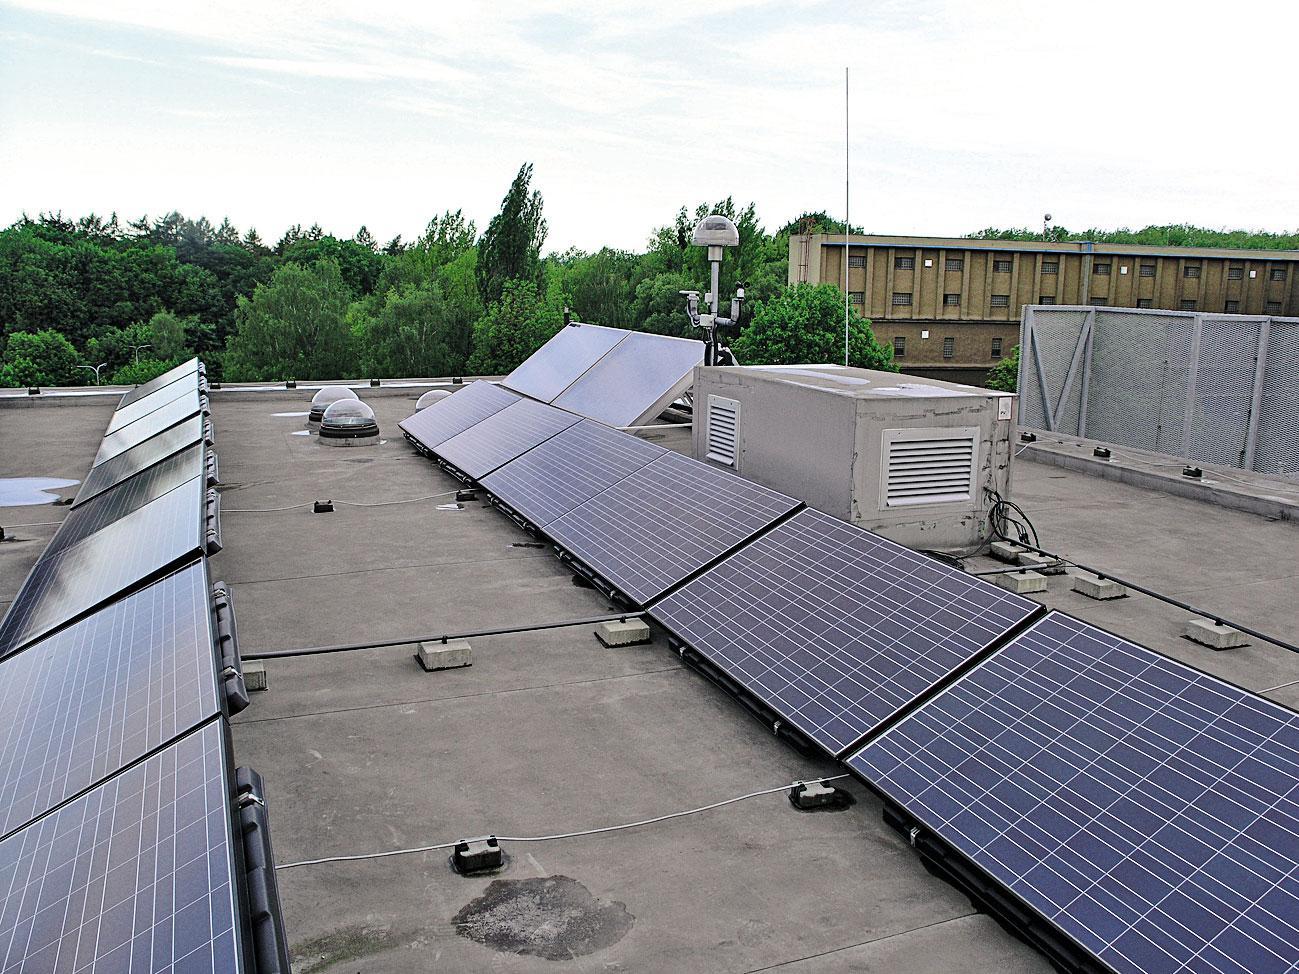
(102, 693)
(667, 520)
(135, 875)
(110, 561)
(557, 364)
(114, 504)
(836, 629)
(568, 469)
(1148, 811)
(128, 464)
(503, 436)
(635, 381)
(151, 425)
(153, 385)
(154, 401)
(439, 422)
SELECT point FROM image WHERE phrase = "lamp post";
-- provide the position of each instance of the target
(137, 351)
(95, 369)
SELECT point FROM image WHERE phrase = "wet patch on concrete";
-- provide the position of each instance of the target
(555, 918)
(25, 491)
(347, 944)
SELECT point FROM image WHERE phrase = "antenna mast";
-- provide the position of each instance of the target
(845, 216)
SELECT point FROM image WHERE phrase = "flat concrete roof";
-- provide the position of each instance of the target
(1045, 246)
(549, 732)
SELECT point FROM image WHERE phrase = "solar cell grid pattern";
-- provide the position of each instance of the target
(128, 464)
(136, 433)
(557, 364)
(110, 561)
(154, 384)
(155, 400)
(1149, 811)
(113, 505)
(837, 629)
(665, 521)
(572, 467)
(104, 692)
(456, 413)
(135, 875)
(503, 436)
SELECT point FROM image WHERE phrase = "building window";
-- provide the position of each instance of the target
(1278, 273)
(1046, 299)
(955, 263)
(1233, 307)
(1191, 270)
(857, 297)
(902, 298)
(1274, 307)
(1102, 269)
(1235, 273)
(1188, 304)
(904, 263)
(1000, 301)
(1100, 302)
(1050, 267)
(996, 348)
(1144, 303)
(952, 300)
(899, 346)
(856, 260)
(949, 348)
(1147, 270)
(1002, 266)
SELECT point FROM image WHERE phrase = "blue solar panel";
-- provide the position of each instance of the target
(444, 419)
(834, 629)
(502, 436)
(557, 364)
(1145, 810)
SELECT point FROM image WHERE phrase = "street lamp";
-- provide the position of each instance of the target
(95, 369)
(137, 351)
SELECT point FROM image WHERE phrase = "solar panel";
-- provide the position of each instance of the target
(664, 522)
(84, 703)
(502, 436)
(128, 496)
(557, 364)
(835, 629)
(572, 467)
(456, 413)
(156, 422)
(155, 400)
(153, 385)
(636, 381)
(110, 561)
(1148, 811)
(137, 874)
(153, 450)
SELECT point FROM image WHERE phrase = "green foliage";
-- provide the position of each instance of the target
(416, 333)
(514, 327)
(1172, 235)
(43, 358)
(294, 327)
(137, 373)
(168, 334)
(510, 247)
(660, 307)
(358, 264)
(1004, 376)
(805, 325)
(601, 287)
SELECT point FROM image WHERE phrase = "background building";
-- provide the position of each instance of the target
(950, 306)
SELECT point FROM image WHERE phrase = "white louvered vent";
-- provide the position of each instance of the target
(929, 466)
(723, 431)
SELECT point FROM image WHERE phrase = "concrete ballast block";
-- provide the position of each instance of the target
(255, 675)
(1022, 583)
(1006, 551)
(631, 632)
(1095, 587)
(447, 655)
(1214, 635)
(1041, 563)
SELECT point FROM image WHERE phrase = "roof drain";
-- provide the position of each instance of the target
(270, 947)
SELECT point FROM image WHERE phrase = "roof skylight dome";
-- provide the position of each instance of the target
(326, 396)
(429, 398)
(349, 422)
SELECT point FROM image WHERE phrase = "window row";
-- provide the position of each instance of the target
(949, 347)
(1100, 268)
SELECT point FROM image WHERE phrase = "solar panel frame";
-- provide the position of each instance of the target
(837, 630)
(139, 873)
(503, 436)
(665, 521)
(142, 407)
(1142, 809)
(82, 704)
(560, 362)
(434, 425)
(635, 381)
(158, 421)
(156, 383)
(567, 470)
(127, 464)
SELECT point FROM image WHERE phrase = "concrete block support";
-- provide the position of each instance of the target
(1041, 563)
(444, 655)
(1006, 551)
(1021, 583)
(1095, 587)
(255, 675)
(1213, 635)
(633, 632)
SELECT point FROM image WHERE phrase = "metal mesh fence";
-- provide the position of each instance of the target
(1179, 383)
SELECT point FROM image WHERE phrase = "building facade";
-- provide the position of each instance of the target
(950, 306)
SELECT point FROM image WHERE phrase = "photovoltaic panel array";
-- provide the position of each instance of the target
(568, 469)
(86, 702)
(503, 436)
(431, 427)
(665, 521)
(1145, 810)
(137, 874)
(635, 381)
(133, 434)
(131, 462)
(835, 629)
(187, 385)
(562, 360)
(166, 379)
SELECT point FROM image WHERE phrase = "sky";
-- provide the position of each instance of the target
(960, 115)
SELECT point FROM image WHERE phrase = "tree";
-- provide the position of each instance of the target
(167, 334)
(137, 373)
(44, 358)
(416, 333)
(514, 327)
(295, 327)
(805, 325)
(1004, 376)
(510, 247)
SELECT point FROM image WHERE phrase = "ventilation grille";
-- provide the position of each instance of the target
(723, 430)
(929, 466)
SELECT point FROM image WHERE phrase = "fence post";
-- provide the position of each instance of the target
(1192, 380)
(1256, 403)
(1041, 372)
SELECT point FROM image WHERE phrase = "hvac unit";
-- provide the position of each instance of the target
(913, 459)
